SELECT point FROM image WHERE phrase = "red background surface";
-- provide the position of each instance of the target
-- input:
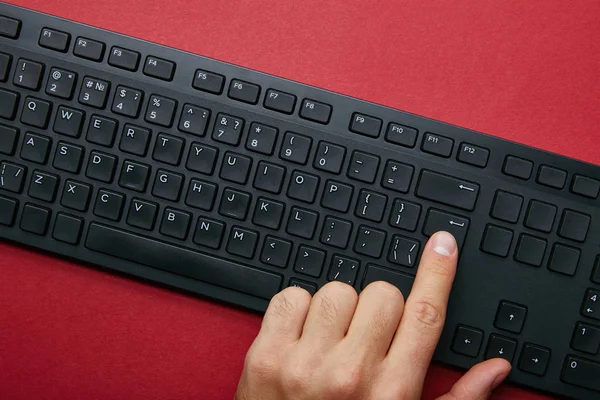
(525, 71)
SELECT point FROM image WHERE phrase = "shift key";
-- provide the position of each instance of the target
(448, 190)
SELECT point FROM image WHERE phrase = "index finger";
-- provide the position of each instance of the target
(425, 310)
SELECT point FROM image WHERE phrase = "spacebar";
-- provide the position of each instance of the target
(152, 253)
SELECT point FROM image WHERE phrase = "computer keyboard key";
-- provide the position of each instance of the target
(268, 213)
(8, 139)
(88, 49)
(517, 167)
(590, 307)
(436, 144)
(438, 220)
(467, 341)
(12, 176)
(261, 138)
(507, 206)
(167, 185)
(564, 259)
(336, 232)
(202, 158)
(403, 135)
(540, 216)
(201, 195)
(574, 225)
(234, 204)
(337, 196)
(295, 148)
(534, 359)
(175, 223)
(124, 58)
(244, 91)
(586, 338)
(160, 110)
(585, 186)
(109, 204)
(101, 167)
(35, 148)
(370, 205)
(315, 111)
(530, 250)
(302, 223)
(43, 186)
(208, 81)
(194, 120)
(448, 190)
(76, 195)
(235, 168)
(209, 233)
(309, 261)
(242, 242)
(36, 112)
(68, 121)
(363, 167)
(61, 83)
(510, 317)
(397, 176)
(269, 177)
(102, 130)
(501, 347)
(135, 140)
(5, 62)
(159, 68)
(67, 228)
(309, 287)
(28, 74)
(54, 40)
(404, 251)
(497, 240)
(168, 149)
(329, 157)
(365, 125)
(596, 273)
(375, 273)
(276, 252)
(405, 215)
(127, 101)
(303, 187)
(473, 155)
(35, 219)
(343, 269)
(580, 372)
(94, 92)
(228, 129)
(369, 241)
(8, 104)
(142, 214)
(552, 177)
(183, 261)
(280, 101)
(9, 27)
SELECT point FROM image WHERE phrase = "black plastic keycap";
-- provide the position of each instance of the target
(9, 27)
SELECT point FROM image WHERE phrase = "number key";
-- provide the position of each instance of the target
(228, 129)
(160, 110)
(590, 307)
(295, 148)
(93, 92)
(61, 83)
(329, 157)
(28, 74)
(586, 338)
(261, 138)
(194, 120)
(127, 101)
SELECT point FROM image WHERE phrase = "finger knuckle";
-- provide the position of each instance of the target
(261, 368)
(285, 303)
(332, 297)
(344, 382)
(296, 378)
(428, 313)
(382, 288)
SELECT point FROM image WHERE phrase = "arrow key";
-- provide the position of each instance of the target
(591, 304)
(467, 341)
(510, 317)
(501, 347)
(534, 359)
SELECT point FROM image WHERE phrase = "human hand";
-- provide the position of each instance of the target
(339, 345)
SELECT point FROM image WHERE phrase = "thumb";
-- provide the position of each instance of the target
(480, 381)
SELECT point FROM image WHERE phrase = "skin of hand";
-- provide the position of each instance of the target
(339, 345)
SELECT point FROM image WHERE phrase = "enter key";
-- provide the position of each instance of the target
(442, 221)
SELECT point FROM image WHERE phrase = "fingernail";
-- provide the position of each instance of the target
(444, 243)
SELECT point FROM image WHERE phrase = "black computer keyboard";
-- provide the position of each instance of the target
(232, 184)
